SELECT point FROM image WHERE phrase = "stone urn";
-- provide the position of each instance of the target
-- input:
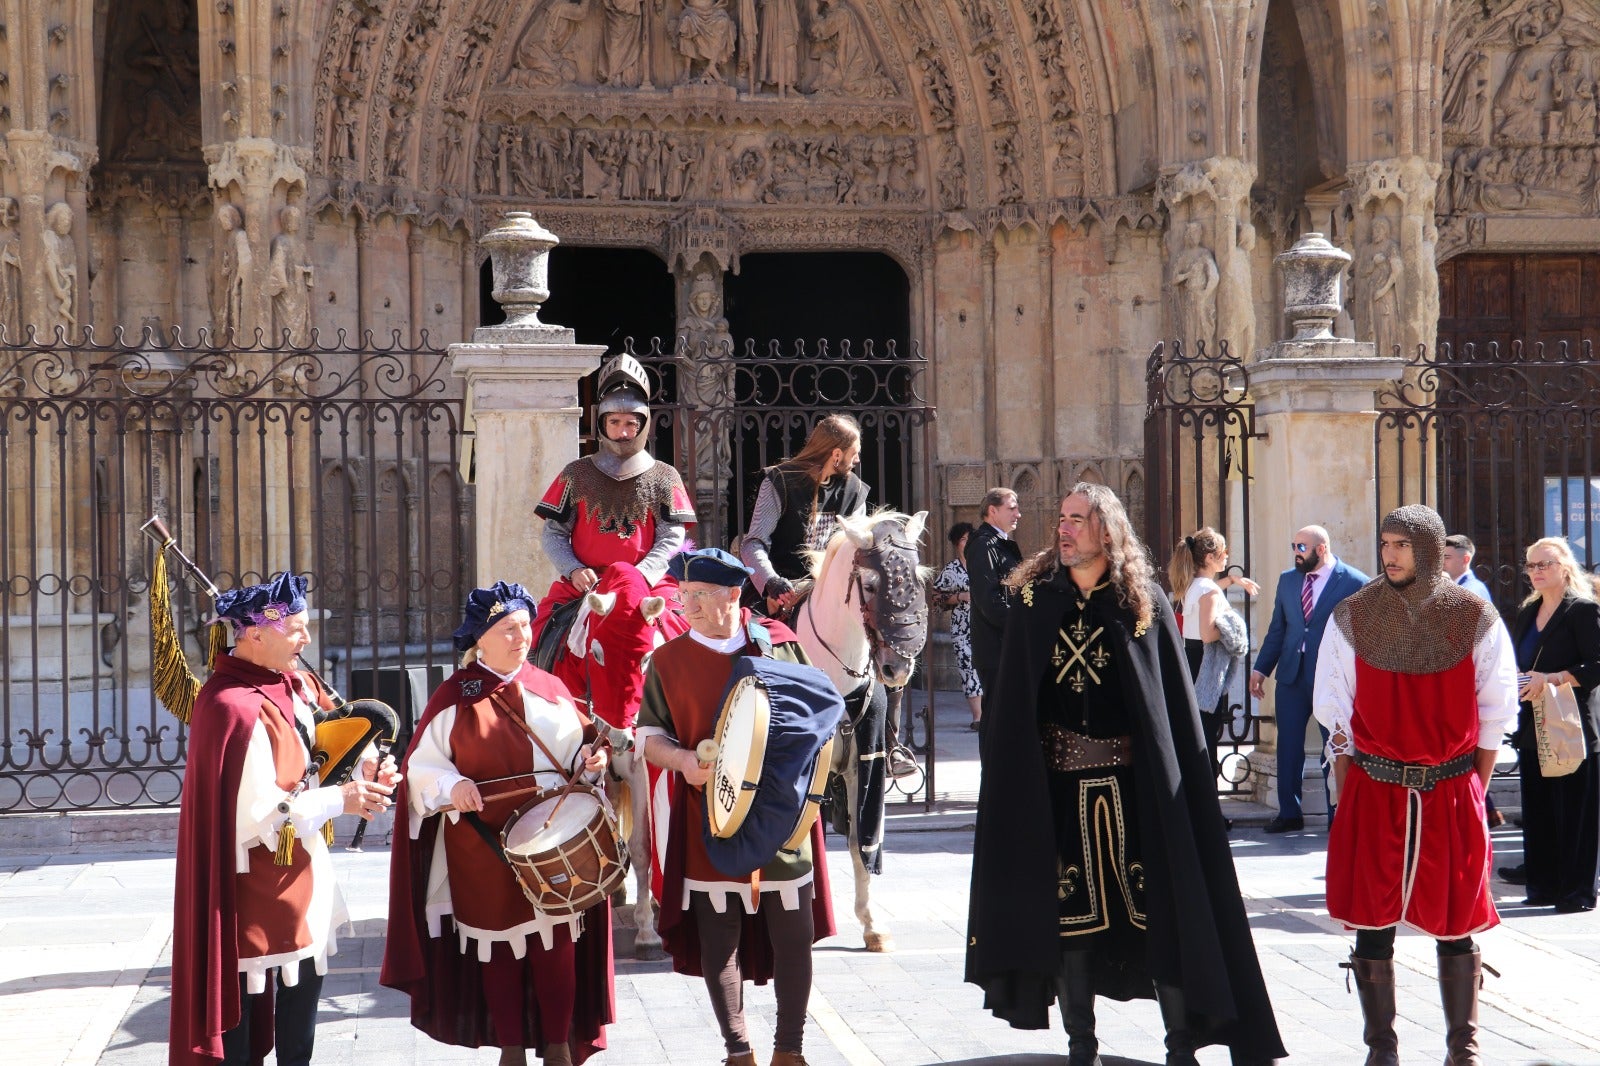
(1313, 282)
(519, 253)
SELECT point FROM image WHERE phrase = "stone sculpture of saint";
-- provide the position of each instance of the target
(1194, 282)
(289, 281)
(541, 58)
(61, 268)
(1382, 287)
(845, 63)
(778, 47)
(1236, 306)
(234, 259)
(10, 269)
(622, 44)
(705, 39)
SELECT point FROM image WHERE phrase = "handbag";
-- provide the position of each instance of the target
(1558, 731)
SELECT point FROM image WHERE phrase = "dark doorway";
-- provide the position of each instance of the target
(604, 294)
(791, 297)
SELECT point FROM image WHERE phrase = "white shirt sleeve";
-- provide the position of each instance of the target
(1333, 698)
(432, 773)
(1495, 671)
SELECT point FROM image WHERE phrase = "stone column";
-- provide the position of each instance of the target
(522, 389)
(1314, 464)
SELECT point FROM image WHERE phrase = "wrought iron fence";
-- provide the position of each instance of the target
(337, 461)
(1199, 424)
(1504, 442)
(723, 415)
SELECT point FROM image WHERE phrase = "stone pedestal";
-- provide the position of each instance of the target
(522, 395)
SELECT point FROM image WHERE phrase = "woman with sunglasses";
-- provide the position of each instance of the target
(1557, 635)
(1198, 572)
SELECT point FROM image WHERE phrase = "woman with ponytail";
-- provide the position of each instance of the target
(1197, 571)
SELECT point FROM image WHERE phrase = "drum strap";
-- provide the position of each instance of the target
(515, 714)
(490, 837)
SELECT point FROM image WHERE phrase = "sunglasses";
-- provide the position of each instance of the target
(1300, 547)
(1540, 567)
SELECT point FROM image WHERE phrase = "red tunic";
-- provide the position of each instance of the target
(1434, 877)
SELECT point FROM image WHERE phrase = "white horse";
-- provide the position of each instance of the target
(864, 622)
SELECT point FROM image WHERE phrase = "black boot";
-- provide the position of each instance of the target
(1375, 986)
(1460, 977)
(1180, 1038)
(1075, 989)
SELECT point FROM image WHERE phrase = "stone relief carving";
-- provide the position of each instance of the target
(290, 280)
(156, 107)
(397, 142)
(1008, 170)
(1521, 114)
(705, 38)
(772, 54)
(60, 269)
(951, 174)
(677, 165)
(10, 269)
(1194, 283)
(1236, 313)
(233, 268)
(542, 58)
(1379, 276)
(622, 44)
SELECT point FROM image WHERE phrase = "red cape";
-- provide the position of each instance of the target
(680, 933)
(205, 938)
(445, 986)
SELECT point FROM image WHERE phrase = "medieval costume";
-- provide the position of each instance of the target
(1413, 681)
(793, 513)
(618, 505)
(256, 904)
(1101, 864)
(727, 929)
(480, 964)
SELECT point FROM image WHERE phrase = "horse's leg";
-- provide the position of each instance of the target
(646, 941)
(874, 936)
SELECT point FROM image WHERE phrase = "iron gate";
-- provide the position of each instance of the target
(338, 462)
(1199, 422)
(1504, 442)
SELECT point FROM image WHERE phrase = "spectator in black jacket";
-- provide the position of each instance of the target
(991, 555)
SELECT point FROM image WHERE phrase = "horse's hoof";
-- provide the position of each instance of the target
(880, 942)
(648, 950)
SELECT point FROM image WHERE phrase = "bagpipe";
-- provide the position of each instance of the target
(345, 729)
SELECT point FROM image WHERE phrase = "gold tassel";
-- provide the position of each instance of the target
(218, 645)
(285, 853)
(174, 683)
(327, 833)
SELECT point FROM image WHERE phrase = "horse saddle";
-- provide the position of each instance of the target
(553, 638)
(344, 733)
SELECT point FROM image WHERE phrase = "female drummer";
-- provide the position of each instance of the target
(480, 964)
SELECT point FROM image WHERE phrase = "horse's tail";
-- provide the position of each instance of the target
(624, 807)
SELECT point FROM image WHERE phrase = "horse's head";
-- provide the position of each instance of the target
(891, 583)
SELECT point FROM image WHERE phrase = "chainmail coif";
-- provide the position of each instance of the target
(1424, 627)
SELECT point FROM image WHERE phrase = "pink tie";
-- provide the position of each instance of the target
(1305, 595)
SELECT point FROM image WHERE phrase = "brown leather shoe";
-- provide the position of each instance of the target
(788, 1058)
(747, 1058)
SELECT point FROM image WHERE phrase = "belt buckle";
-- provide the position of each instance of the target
(1414, 777)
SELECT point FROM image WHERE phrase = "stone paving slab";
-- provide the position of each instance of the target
(85, 938)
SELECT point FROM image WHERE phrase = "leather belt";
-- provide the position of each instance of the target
(1420, 776)
(1066, 751)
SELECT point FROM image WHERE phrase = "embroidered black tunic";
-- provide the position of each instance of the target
(1100, 885)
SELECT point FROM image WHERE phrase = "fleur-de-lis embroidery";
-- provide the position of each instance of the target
(1027, 594)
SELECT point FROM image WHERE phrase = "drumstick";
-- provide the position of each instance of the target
(706, 751)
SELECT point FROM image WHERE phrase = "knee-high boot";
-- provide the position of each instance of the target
(1075, 989)
(1460, 977)
(1180, 1038)
(1375, 987)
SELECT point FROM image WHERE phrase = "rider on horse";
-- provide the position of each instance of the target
(618, 506)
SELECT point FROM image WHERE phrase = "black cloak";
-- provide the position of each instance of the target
(1198, 936)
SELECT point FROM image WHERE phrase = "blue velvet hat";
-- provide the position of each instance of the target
(262, 605)
(711, 565)
(487, 606)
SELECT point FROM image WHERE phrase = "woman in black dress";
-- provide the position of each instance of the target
(1557, 635)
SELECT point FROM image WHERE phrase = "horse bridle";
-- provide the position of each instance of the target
(898, 597)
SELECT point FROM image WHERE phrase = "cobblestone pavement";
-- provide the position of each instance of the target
(85, 939)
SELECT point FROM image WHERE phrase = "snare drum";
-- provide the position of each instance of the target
(564, 849)
(774, 748)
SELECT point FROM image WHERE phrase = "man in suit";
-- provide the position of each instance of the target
(1307, 595)
(1458, 553)
(991, 555)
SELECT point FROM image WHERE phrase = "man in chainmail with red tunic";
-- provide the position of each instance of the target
(619, 505)
(1416, 682)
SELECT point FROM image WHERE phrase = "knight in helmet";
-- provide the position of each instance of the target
(619, 505)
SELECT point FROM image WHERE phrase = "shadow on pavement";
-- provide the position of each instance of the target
(1045, 1060)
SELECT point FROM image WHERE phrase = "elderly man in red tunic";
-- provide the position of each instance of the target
(1416, 682)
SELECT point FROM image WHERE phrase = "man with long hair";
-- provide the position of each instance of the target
(1101, 864)
(798, 506)
(1416, 684)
